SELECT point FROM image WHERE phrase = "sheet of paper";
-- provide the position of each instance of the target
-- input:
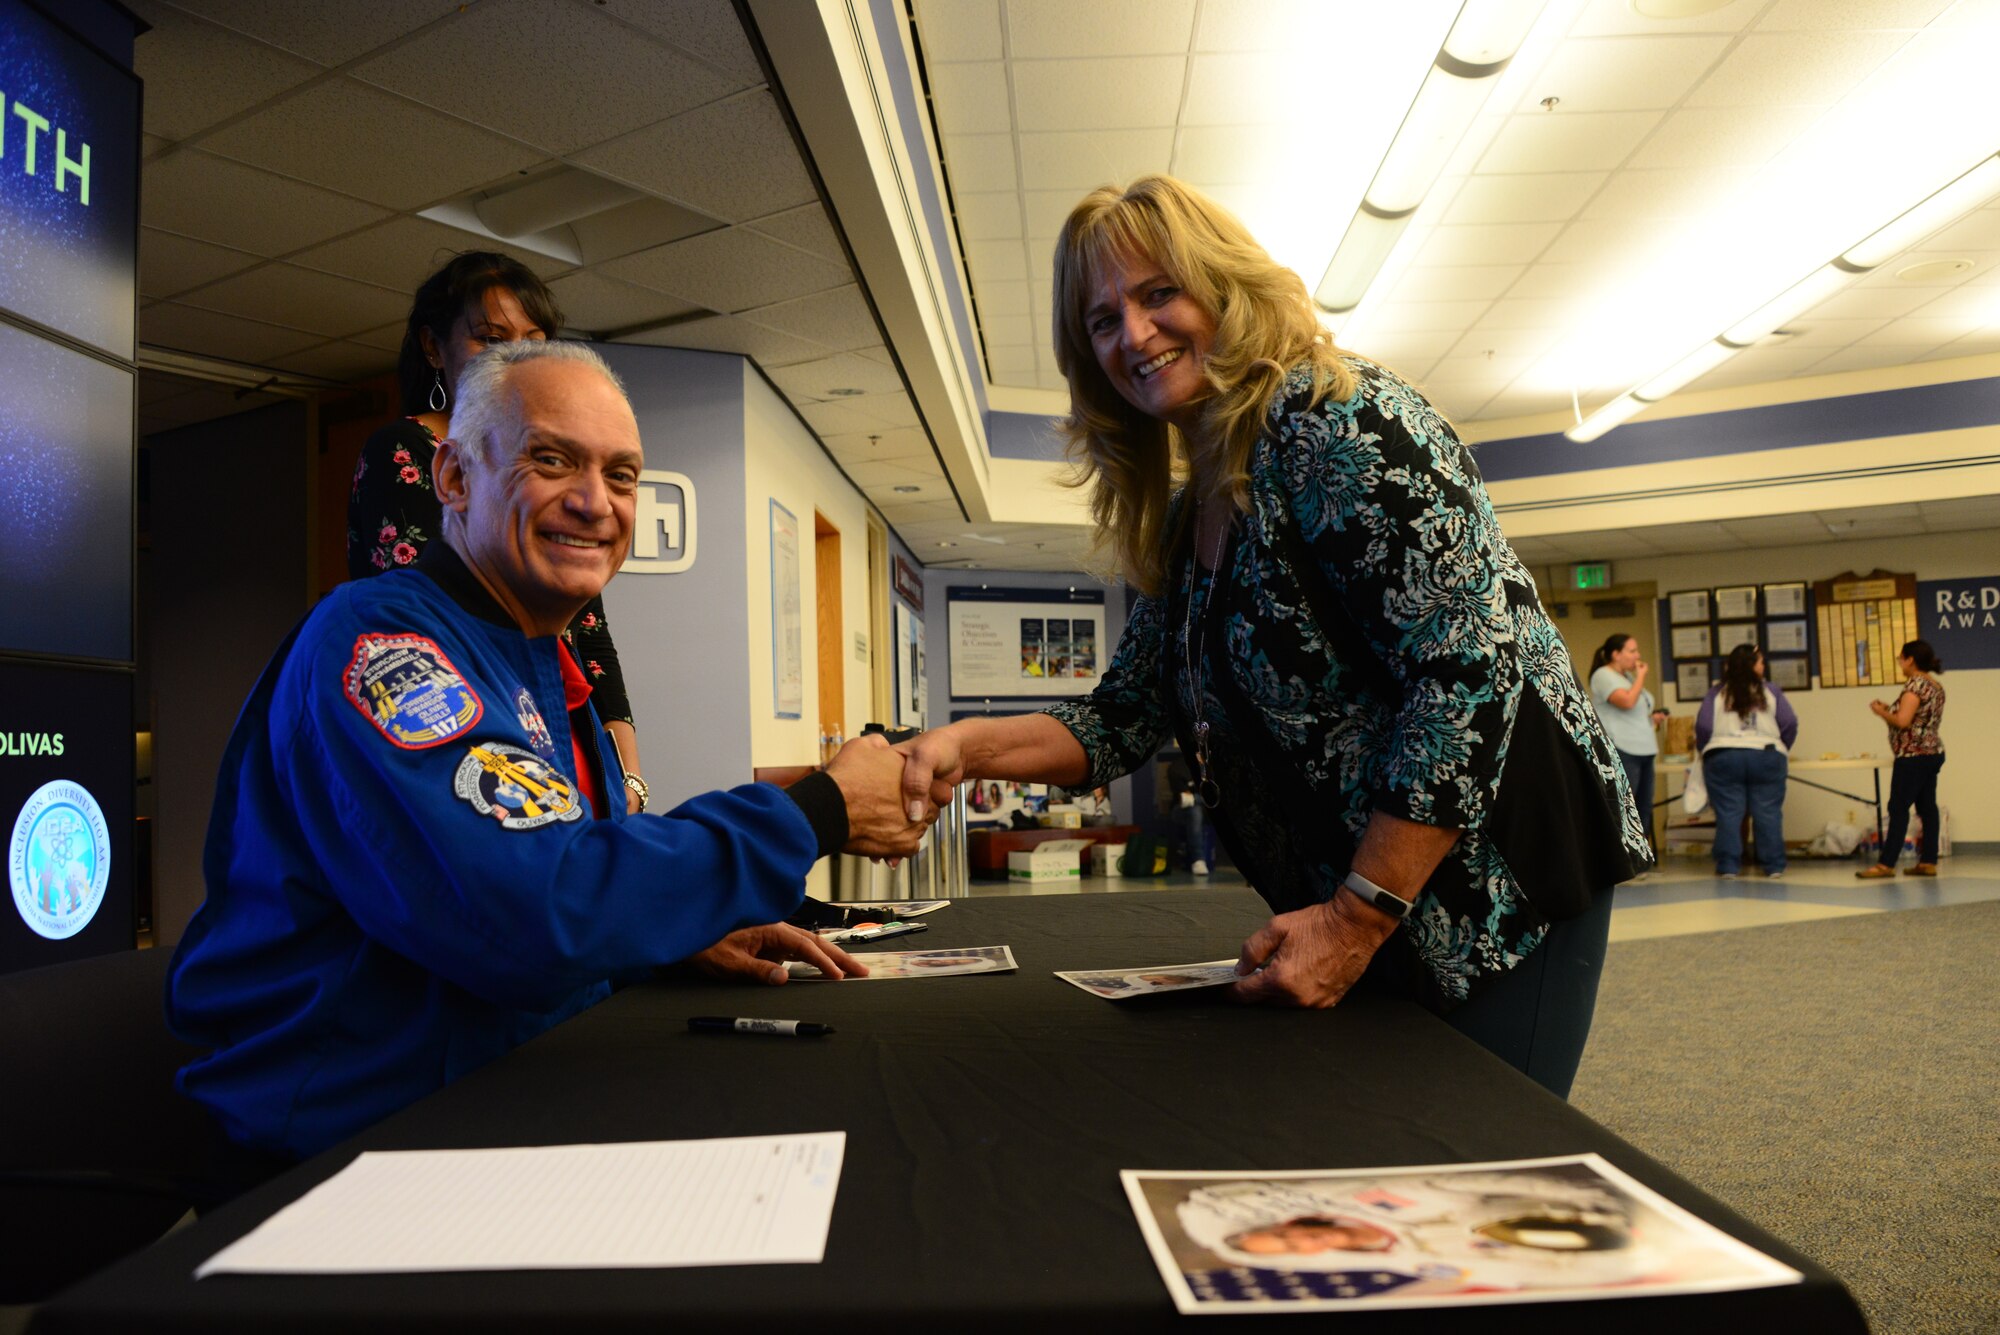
(918, 963)
(1122, 984)
(743, 1200)
(897, 908)
(1443, 1235)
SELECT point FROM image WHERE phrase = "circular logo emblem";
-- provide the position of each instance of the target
(59, 860)
(515, 787)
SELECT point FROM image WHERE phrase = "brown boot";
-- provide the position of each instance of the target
(1878, 872)
(1922, 869)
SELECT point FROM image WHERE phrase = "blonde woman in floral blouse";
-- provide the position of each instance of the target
(1919, 751)
(478, 299)
(1381, 718)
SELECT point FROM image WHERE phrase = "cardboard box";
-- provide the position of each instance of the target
(1056, 860)
(1063, 816)
(1104, 859)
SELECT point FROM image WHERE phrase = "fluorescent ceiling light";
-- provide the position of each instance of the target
(1788, 305)
(1489, 32)
(1961, 197)
(1691, 367)
(1370, 238)
(1621, 409)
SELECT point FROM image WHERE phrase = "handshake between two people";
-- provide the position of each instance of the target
(893, 793)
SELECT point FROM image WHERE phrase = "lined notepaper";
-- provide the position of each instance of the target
(744, 1200)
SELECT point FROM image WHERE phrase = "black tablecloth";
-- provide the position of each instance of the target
(987, 1118)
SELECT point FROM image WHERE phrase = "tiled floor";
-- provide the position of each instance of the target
(1685, 895)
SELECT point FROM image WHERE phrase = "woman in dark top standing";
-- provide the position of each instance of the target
(477, 300)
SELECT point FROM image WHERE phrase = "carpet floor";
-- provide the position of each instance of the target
(1836, 1081)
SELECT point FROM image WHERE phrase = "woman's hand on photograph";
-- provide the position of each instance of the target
(1311, 956)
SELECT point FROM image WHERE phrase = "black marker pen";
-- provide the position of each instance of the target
(724, 1024)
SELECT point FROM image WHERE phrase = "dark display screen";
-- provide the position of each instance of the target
(65, 813)
(65, 501)
(69, 130)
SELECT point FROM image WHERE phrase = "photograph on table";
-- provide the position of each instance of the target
(1124, 984)
(1688, 607)
(918, 964)
(1446, 1235)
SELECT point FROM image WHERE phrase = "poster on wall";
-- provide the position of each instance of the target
(1024, 644)
(1960, 618)
(788, 650)
(912, 681)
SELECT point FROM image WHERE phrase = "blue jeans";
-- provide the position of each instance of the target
(1912, 782)
(1639, 778)
(1740, 780)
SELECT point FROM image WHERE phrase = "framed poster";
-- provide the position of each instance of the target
(1688, 607)
(1737, 603)
(1023, 644)
(1691, 681)
(1785, 637)
(1729, 634)
(1785, 600)
(788, 648)
(1693, 641)
(912, 681)
(1790, 673)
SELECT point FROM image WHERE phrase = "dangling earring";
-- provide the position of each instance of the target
(439, 399)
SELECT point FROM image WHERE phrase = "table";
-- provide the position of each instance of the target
(1872, 764)
(987, 1119)
(986, 850)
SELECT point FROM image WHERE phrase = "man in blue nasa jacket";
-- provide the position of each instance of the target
(412, 863)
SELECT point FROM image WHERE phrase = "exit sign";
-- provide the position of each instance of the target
(1594, 576)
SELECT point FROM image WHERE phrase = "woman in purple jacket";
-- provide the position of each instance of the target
(1743, 746)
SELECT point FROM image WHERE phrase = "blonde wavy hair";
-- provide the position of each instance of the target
(1264, 325)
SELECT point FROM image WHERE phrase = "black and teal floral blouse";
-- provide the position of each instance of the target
(392, 512)
(1375, 645)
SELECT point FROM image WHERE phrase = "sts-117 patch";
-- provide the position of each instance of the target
(515, 787)
(407, 688)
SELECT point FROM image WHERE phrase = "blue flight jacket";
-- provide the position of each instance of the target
(403, 881)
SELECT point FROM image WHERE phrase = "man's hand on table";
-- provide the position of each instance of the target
(1311, 956)
(758, 955)
(879, 821)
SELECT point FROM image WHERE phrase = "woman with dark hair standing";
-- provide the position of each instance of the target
(1625, 706)
(1743, 746)
(480, 298)
(1919, 751)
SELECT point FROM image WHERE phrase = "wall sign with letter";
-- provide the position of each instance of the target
(662, 525)
(1024, 644)
(1960, 620)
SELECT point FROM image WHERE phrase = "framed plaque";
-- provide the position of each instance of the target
(1729, 634)
(1785, 600)
(1785, 637)
(1790, 673)
(1688, 607)
(1693, 642)
(1737, 603)
(1691, 681)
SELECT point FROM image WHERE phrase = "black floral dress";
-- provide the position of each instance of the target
(392, 513)
(1373, 644)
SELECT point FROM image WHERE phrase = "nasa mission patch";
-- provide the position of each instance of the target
(59, 859)
(407, 688)
(515, 787)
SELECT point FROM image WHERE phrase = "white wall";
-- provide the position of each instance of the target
(1839, 720)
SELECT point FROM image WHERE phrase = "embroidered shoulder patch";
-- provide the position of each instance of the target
(532, 723)
(515, 787)
(407, 688)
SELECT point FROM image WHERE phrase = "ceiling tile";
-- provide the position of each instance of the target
(589, 300)
(435, 156)
(1795, 68)
(1412, 317)
(732, 159)
(1523, 197)
(302, 299)
(216, 200)
(997, 298)
(1505, 342)
(879, 445)
(1458, 282)
(873, 475)
(168, 324)
(818, 379)
(959, 30)
(892, 409)
(726, 333)
(403, 252)
(197, 74)
(1603, 18)
(1007, 329)
(1209, 156)
(388, 337)
(1706, 137)
(338, 361)
(632, 81)
(1857, 303)
(1612, 242)
(1976, 231)
(1113, 93)
(979, 162)
(836, 417)
(329, 34)
(995, 262)
(839, 319)
(1808, 14)
(1926, 330)
(702, 28)
(1042, 29)
(1677, 193)
(1498, 243)
(1526, 313)
(1080, 160)
(1009, 361)
(170, 263)
(1622, 73)
(1818, 332)
(971, 98)
(1237, 89)
(729, 270)
(807, 228)
(1588, 141)
(988, 217)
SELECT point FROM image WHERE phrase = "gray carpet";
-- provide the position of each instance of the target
(1836, 1081)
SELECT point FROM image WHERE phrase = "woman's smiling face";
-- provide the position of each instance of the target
(1151, 339)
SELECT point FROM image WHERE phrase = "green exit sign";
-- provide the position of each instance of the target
(1595, 576)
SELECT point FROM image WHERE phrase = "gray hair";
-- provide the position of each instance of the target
(486, 406)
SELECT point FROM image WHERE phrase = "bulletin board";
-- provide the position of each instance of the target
(1698, 628)
(1864, 621)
